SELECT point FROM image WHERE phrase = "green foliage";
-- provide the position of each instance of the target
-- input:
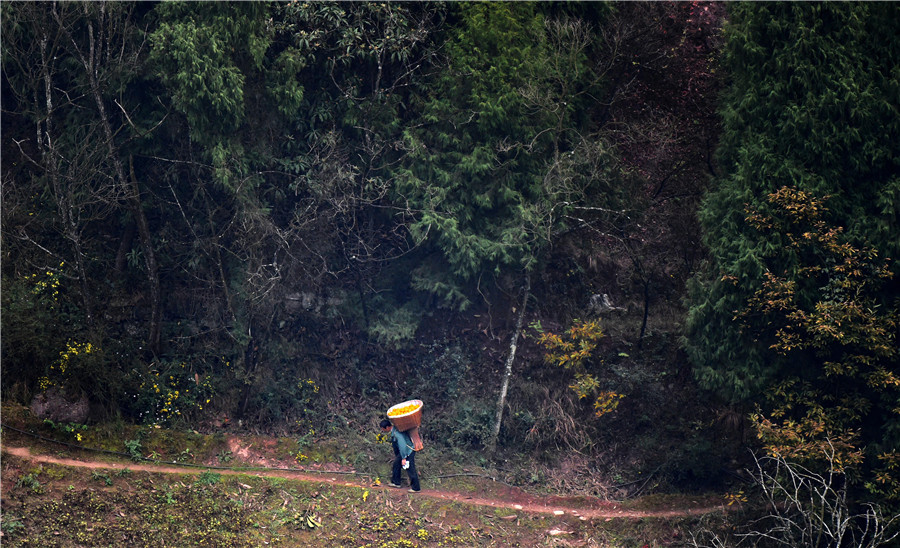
(208, 477)
(394, 327)
(362, 47)
(846, 381)
(499, 151)
(97, 475)
(286, 397)
(74, 363)
(201, 52)
(30, 328)
(472, 188)
(72, 429)
(30, 482)
(799, 300)
(166, 391)
(11, 525)
(471, 427)
(134, 448)
(808, 108)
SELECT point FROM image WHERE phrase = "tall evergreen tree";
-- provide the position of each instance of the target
(811, 115)
(813, 106)
(501, 151)
(473, 174)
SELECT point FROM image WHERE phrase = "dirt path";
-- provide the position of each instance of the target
(520, 503)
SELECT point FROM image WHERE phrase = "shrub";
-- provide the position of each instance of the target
(32, 323)
(167, 390)
(287, 397)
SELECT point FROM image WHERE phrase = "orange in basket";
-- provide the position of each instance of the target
(407, 417)
(404, 409)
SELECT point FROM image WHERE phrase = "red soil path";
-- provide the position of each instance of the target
(509, 498)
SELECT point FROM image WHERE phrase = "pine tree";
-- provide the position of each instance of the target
(473, 174)
(812, 106)
(799, 301)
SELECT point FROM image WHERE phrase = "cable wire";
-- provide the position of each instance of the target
(215, 467)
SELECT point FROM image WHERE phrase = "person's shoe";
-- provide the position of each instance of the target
(394, 485)
(414, 490)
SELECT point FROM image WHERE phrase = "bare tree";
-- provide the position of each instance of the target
(73, 149)
(102, 48)
(808, 508)
(510, 359)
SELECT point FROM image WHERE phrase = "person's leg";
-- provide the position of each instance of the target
(413, 474)
(395, 471)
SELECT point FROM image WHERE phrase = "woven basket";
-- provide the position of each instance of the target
(409, 420)
(416, 439)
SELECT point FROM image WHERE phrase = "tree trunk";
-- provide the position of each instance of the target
(504, 385)
(67, 209)
(646, 311)
(124, 248)
(153, 337)
(251, 355)
(90, 60)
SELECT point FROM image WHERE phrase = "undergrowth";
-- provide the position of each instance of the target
(49, 505)
(102, 508)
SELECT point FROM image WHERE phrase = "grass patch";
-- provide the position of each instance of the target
(50, 505)
(206, 508)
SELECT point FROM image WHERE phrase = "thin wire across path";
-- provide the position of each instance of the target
(237, 469)
(533, 505)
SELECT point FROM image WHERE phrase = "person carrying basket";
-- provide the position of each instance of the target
(404, 457)
(403, 444)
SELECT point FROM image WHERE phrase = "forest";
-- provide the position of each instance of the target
(645, 244)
